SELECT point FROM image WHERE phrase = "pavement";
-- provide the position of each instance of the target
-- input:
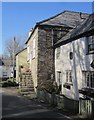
(15, 106)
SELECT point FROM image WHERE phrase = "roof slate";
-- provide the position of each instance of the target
(86, 26)
(79, 31)
(64, 19)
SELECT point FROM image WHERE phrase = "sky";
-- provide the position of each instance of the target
(19, 17)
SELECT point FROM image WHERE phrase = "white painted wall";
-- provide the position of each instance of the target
(8, 70)
(82, 63)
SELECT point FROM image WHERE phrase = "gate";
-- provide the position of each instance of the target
(86, 107)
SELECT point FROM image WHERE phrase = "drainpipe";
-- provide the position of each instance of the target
(75, 84)
(53, 75)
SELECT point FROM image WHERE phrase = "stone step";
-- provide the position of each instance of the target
(28, 73)
(26, 81)
(29, 78)
(26, 76)
(31, 96)
(27, 93)
(23, 86)
(27, 90)
(26, 84)
(27, 87)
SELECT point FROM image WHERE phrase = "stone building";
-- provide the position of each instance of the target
(40, 43)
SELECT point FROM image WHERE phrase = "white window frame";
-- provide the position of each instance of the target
(68, 76)
(90, 44)
(88, 81)
(4, 74)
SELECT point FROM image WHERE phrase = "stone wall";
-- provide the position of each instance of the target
(42, 66)
(45, 54)
(60, 101)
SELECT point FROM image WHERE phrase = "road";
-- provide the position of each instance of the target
(16, 106)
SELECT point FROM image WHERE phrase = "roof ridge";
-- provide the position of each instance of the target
(50, 18)
(75, 12)
(37, 23)
(21, 51)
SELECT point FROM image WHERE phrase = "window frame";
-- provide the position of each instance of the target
(68, 76)
(5, 74)
(90, 42)
(87, 75)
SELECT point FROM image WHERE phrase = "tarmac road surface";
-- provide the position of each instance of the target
(16, 106)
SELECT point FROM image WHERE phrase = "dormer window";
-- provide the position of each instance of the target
(90, 42)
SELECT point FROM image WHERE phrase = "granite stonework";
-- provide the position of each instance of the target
(42, 66)
(45, 55)
(60, 101)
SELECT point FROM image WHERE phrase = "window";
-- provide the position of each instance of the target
(68, 82)
(89, 79)
(58, 53)
(68, 76)
(4, 74)
(90, 42)
(28, 57)
(71, 55)
(33, 52)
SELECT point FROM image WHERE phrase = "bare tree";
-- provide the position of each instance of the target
(13, 46)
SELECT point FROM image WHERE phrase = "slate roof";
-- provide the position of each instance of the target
(20, 51)
(88, 25)
(86, 28)
(7, 62)
(68, 19)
